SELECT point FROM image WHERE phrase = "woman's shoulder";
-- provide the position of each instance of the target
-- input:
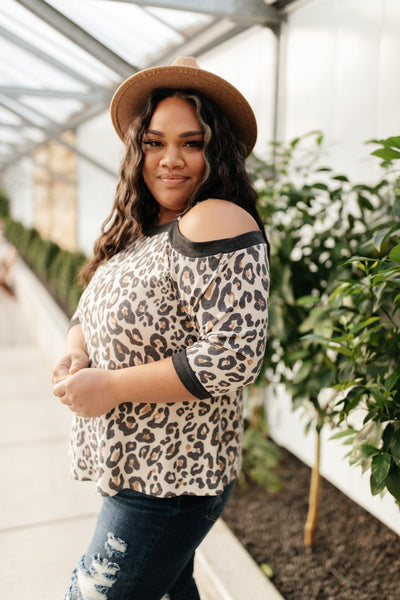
(216, 219)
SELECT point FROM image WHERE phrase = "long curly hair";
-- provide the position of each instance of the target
(135, 211)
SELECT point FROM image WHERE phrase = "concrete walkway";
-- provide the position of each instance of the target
(46, 518)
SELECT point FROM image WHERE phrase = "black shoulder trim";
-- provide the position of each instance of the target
(225, 245)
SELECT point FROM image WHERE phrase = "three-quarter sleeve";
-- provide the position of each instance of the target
(223, 287)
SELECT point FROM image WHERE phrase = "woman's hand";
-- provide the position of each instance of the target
(87, 392)
(69, 364)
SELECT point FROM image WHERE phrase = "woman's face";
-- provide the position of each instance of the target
(173, 156)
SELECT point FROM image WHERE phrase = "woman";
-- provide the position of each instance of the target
(167, 334)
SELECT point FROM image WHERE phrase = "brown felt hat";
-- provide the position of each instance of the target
(183, 74)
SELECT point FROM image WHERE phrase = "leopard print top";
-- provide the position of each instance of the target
(204, 304)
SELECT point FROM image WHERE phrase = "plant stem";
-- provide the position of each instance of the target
(311, 525)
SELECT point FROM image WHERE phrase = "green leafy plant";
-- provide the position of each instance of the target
(362, 321)
(57, 268)
(261, 455)
(317, 221)
(4, 205)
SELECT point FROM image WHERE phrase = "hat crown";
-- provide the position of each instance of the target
(185, 61)
(184, 74)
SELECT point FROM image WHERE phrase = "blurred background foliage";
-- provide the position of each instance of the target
(335, 297)
(57, 268)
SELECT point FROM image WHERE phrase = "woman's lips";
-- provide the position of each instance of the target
(173, 180)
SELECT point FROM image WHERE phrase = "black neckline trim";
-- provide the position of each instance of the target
(225, 245)
(161, 228)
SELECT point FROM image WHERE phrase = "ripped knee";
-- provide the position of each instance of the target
(95, 582)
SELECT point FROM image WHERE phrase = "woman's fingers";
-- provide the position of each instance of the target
(59, 388)
(78, 363)
(60, 392)
(69, 364)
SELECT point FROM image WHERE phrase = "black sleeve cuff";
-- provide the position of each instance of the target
(187, 376)
(73, 321)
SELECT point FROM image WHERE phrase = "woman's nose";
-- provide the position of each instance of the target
(171, 157)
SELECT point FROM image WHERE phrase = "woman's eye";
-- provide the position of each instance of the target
(152, 143)
(195, 143)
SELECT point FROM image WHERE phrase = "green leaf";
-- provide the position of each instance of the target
(380, 467)
(345, 433)
(387, 436)
(341, 178)
(386, 154)
(395, 444)
(391, 380)
(267, 570)
(379, 237)
(393, 482)
(364, 202)
(364, 324)
(313, 319)
(304, 371)
(396, 207)
(306, 300)
(376, 488)
(391, 141)
(320, 186)
(379, 397)
(394, 254)
(362, 454)
(366, 450)
(342, 350)
(395, 227)
(355, 394)
(370, 434)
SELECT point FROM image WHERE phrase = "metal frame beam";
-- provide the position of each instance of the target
(34, 51)
(220, 32)
(78, 36)
(53, 133)
(246, 12)
(89, 96)
(163, 21)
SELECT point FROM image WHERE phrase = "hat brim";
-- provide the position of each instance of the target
(133, 93)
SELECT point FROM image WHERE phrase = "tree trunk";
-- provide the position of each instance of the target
(314, 497)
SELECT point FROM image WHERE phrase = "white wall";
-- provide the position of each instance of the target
(248, 62)
(340, 73)
(287, 428)
(96, 188)
(17, 183)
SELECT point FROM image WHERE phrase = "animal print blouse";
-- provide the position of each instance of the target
(204, 304)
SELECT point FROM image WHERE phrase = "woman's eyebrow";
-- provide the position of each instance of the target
(181, 135)
(190, 133)
(155, 132)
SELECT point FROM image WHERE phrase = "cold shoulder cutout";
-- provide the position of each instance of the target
(216, 219)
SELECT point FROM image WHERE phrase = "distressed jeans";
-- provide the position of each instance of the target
(143, 547)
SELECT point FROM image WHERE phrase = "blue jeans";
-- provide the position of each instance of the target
(143, 547)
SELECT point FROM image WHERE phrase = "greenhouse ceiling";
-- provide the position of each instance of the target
(62, 59)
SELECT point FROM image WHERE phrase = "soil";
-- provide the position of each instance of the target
(355, 557)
